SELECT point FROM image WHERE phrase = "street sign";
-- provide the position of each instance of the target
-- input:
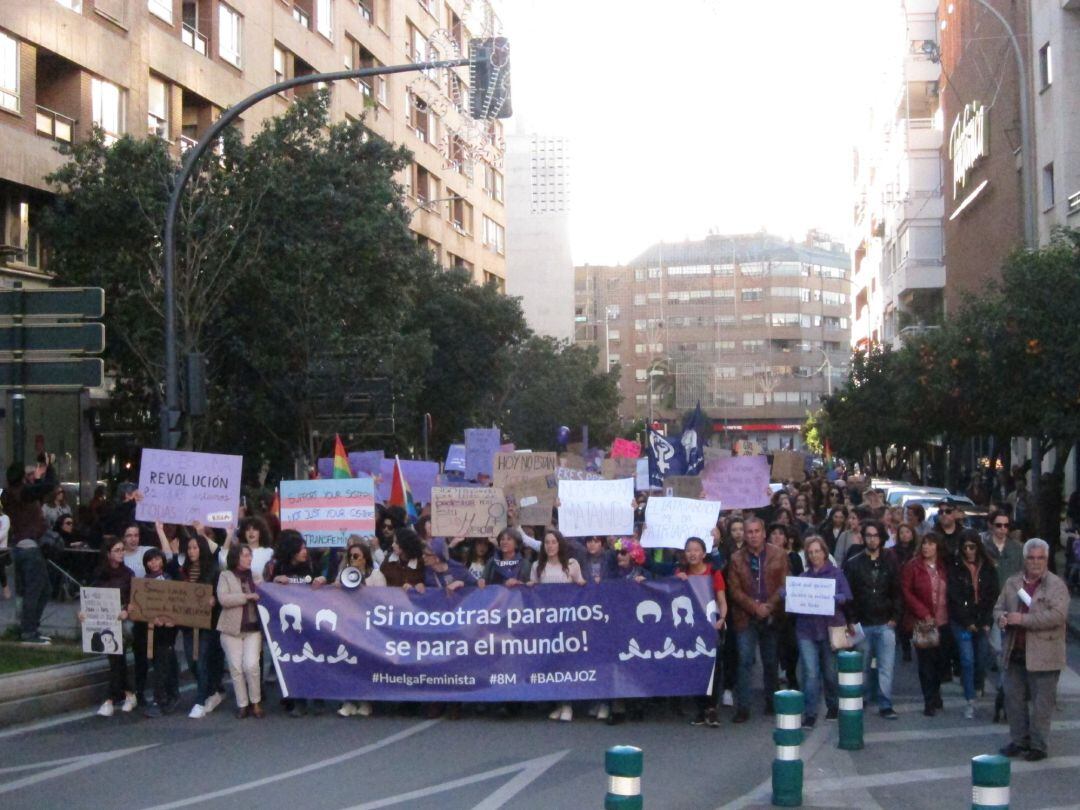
(47, 374)
(64, 302)
(88, 338)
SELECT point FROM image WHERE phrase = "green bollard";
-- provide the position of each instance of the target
(623, 764)
(990, 776)
(849, 666)
(787, 768)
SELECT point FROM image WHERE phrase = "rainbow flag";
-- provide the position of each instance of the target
(341, 460)
(275, 507)
(400, 494)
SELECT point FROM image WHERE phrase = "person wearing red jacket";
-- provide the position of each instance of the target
(923, 583)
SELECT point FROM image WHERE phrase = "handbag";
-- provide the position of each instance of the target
(926, 635)
(839, 638)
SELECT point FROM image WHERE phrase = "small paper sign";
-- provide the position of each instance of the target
(102, 631)
(811, 595)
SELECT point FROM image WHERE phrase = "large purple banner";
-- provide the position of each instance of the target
(550, 642)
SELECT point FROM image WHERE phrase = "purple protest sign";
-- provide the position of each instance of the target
(455, 458)
(182, 487)
(481, 445)
(420, 475)
(553, 642)
(738, 482)
(361, 462)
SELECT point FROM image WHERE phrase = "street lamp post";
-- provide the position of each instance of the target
(170, 412)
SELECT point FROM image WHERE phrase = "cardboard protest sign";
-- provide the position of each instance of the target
(710, 453)
(596, 507)
(683, 486)
(624, 448)
(328, 511)
(511, 467)
(467, 511)
(534, 499)
(738, 482)
(183, 487)
(185, 604)
(815, 596)
(572, 461)
(481, 445)
(622, 467)
(670, 521)
(102, 630)
(747, 447)
(788, 465)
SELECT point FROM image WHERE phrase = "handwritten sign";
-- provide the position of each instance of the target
(669, 522)
(102, 631)
(596, 507)
(534, 499)
(624, 448)
(810, 595)
(328, 511)
(182, 487)
(185, 604)
(467, 511)
(788, 465)
(738, 482)
(511, 467)
(481, 445)
(575, 474)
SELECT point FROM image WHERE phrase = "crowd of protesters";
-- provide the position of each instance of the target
(964, 604)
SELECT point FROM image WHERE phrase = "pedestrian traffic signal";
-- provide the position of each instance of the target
(489, 78)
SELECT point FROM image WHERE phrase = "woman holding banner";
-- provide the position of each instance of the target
(238, 625)
(507, 567)
(695, 564)
(556, 566)
(405, 567)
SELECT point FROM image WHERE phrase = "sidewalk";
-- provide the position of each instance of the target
(60, 620)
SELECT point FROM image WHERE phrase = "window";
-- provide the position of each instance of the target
(753, 320)
(416, 44)
(324, 21)
(422, 120)
(752, 294)
(641, 399)
(752, 269)
(161, 8)
(790, 292)
(425, 185)
(229, 42)
(157, 119)
(1048, 186)
(494, 235)
(74, 5)
(641, 375)
(753, 400)
(191, 33)
(1046, 67)
(725, 372)
(18, 221)
(9, 73)
(724, 296)
(654, 272)
(364, 8)
(461, 215)
(107, 102)
(279, 64)
(357, 57)
(493, 182)
(753, 346)
(639, 300)
(724, 269)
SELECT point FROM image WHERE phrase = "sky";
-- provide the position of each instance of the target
(690, 116)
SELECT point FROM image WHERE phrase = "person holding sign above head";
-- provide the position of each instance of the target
(241, 636)
(556, 566)
(200, 566)
(112, 573)
(696, 565)
(508, 567)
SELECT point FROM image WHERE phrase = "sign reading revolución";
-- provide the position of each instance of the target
(969, 140)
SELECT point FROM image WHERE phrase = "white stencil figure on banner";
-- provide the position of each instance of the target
(682, 614)
(326, 616)
(287, 612)
(649, 608)
(682, 610)
(342, 654)
(635, 651)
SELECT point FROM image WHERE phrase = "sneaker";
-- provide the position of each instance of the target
(969, 711)
(39, 641)
(832, 714)
(153, 710)
(888, 714)
(106, 709)
(556, 713)
(809, 721)
(213, 702)
(348, 709)
(364, 709)
(129, 702)
(566, 714)
(699, 720)
(711, 719)
(728, 698)
(197, 712)
(604, 712)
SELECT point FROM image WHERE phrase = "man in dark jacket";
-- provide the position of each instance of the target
(876, 602)
(23, 503)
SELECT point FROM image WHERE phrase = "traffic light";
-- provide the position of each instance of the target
(489, 78)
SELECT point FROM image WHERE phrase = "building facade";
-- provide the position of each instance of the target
(753, 327)
(898, 254)
(540, 268)
(167, 68)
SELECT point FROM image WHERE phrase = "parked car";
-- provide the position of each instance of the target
(895, 495)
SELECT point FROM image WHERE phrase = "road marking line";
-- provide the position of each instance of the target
(527, 772)
(45, 764)
(314, 766)
(79, 763)
(958, 731)
(876, 780)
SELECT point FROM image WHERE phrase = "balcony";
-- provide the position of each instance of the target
(54, 125)
(922, 134)
(918, 274)
(193, 39)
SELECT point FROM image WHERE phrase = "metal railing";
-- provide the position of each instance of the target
(54, 125)
(193, 39)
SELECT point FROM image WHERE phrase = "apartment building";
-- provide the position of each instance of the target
(898, 246)
(66, 65)
(539, 262)
(167, 68)
(754, 327)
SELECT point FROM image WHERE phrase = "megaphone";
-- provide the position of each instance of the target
(351, 577)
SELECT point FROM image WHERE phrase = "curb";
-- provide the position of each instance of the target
(34, 694)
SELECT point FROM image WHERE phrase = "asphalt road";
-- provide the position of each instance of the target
(392, 760)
